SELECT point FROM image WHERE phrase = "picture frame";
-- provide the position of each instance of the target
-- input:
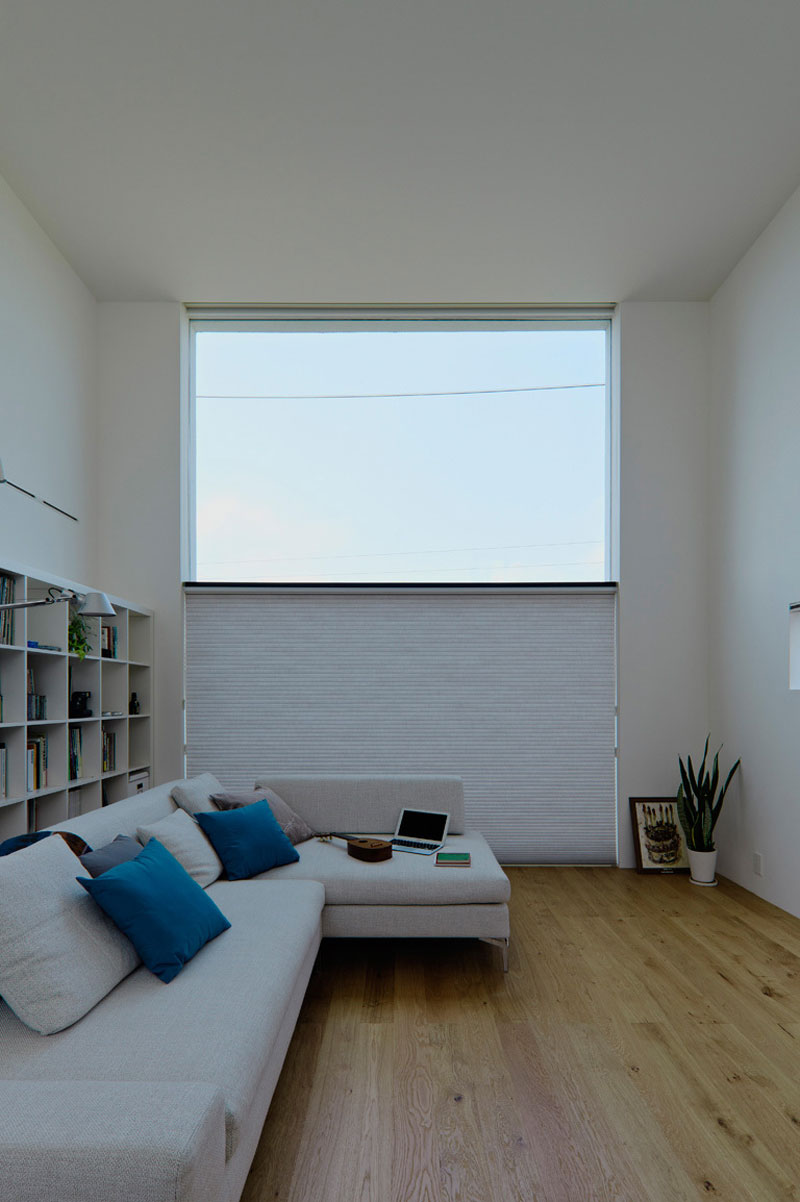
(658, 839)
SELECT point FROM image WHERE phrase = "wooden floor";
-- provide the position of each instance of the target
(644, 1047)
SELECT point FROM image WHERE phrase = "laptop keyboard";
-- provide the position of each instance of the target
(410, 843)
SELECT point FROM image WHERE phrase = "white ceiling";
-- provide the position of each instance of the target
(401, 150)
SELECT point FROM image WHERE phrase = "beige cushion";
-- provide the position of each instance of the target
(194, 795)
(59, 953)
(181, 836)
(295, 828)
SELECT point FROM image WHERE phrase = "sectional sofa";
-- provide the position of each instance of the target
(159, 1093)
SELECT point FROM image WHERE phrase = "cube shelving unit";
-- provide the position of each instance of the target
(70, 788)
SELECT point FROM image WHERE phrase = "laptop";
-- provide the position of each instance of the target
(420, 831)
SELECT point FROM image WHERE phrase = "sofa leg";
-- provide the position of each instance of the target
(502, 944)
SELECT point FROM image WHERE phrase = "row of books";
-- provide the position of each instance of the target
(108, 642)
(37, 702)
(3, 771)
(7, 589)
(109, 751)
(75, 752)
(37, 763)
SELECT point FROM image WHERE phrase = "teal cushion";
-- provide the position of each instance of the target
(248, 840)
(165, 914)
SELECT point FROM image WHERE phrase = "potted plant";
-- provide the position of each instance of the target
(78, 635)
(699, 806)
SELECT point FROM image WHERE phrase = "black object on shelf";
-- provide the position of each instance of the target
(79, 705)
(134, 706)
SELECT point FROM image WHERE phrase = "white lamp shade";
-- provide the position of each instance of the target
(96, 605)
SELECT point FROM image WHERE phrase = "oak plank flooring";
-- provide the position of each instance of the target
(644, 1047)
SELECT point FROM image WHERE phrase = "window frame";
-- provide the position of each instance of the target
(312, 319)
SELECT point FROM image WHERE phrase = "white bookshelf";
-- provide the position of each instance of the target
(56, 674)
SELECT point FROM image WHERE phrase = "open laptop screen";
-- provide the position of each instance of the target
(421, 824)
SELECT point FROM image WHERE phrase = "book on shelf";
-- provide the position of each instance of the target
(8, 586)
(109, 751)
(36, 749)
(453, 859)
(75, 752)
(108, 642)
(3, 771)
(37, 702)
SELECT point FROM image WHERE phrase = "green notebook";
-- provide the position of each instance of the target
(453, 859)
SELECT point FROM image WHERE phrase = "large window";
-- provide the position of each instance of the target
(403, 451)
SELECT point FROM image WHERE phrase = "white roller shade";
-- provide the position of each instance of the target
(512, 689)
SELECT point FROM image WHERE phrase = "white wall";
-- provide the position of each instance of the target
(89, 406)
(755, 564)
(663, 483)
(48, 440)
(663, 629)
(139, 391)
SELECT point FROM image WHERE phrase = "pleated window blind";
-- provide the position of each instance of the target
(512, 689)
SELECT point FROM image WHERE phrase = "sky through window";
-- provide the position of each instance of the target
(400, 455)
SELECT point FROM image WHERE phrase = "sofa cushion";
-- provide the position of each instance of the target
(59, 953)
(247, 840)
(404, 880)
(217, 1022)
(295, 828)
(182, 837)
(118, 851)
(166, 915)
(195, 793)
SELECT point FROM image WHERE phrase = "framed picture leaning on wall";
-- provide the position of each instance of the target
(657, 836)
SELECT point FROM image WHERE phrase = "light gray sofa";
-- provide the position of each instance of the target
(407, 896)
(159, 1093)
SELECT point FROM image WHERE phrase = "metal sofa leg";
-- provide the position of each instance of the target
(502, 944)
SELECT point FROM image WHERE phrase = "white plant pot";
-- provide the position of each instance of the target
(702, 865)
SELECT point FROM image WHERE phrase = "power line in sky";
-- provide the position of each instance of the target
(383, 396)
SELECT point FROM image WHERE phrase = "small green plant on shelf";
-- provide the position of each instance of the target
(698, 804)
(78, 635)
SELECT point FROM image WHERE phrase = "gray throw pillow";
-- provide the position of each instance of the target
(295, 828)
(118, 851)
(183, 839)
(194, 795)
(59, 953)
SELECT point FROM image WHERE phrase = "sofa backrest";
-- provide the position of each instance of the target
(122, 817)
(328, 802)
(367, 804)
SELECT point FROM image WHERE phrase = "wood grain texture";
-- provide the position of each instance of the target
(644, 1047)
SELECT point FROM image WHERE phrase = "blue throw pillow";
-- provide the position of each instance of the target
(164, 913)
(248, 840)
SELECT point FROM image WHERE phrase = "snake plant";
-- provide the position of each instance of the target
(698, 804)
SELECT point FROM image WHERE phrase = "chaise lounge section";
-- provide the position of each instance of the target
(407, 896)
